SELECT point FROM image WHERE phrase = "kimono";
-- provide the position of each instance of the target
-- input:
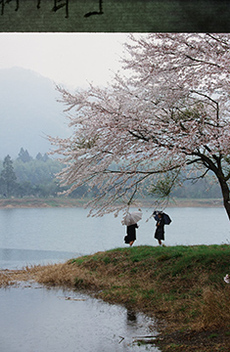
(131, 233)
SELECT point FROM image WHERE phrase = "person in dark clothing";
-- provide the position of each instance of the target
(131, 234)
(159, 233)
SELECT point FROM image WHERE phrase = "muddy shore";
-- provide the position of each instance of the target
(69, 203)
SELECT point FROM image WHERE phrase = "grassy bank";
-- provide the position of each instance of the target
(181, 286)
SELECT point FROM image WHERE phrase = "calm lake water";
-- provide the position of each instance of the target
(40, 236)
(34, 319)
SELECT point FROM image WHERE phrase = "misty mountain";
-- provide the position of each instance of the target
(29, 111)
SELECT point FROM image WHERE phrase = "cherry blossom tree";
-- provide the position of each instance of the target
(167, 113)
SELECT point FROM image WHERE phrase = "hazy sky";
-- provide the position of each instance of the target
(68, 58)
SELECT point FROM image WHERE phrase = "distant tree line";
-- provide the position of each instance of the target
(28, 176)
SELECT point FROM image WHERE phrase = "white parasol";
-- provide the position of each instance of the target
(132, 218)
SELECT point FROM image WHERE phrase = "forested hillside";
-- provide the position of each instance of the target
(28, 176)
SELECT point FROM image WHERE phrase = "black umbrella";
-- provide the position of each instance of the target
(166, 217)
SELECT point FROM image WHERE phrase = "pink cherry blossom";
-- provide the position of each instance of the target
(169, 111)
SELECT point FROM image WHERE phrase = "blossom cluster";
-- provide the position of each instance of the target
(169, 110)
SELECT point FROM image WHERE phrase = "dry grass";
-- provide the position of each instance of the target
(5, 279)
(215, 308)
(12, 277)
(64, 275)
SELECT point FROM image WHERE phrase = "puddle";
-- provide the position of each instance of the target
(35, 319)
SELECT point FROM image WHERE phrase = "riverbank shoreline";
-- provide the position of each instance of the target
(181, 286)
(64, 202)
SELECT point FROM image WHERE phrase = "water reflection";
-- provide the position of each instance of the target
(37, 319)
(131, 317)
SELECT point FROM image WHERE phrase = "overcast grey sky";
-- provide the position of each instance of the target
(68, 58)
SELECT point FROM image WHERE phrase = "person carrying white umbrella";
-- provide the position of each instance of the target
(130, 220)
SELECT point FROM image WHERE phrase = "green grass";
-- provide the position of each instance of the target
(172, 261)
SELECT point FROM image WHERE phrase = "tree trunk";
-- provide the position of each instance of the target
(225, 194)
(217, 169)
